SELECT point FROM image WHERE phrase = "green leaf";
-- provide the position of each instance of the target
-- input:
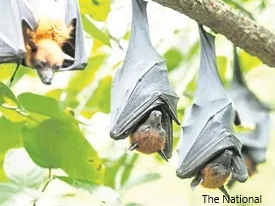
(9, 105)
(141, 180)
(173, 57)
(10, 138)
(44, 106)
(57, 144)
(248, 62)
(91, 29)
(98, 102)
(98, 9)
(84, 78)
(7, 97)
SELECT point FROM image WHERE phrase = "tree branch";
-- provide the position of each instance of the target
(221, 18)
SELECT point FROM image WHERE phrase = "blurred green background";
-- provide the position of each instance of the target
(65, 126)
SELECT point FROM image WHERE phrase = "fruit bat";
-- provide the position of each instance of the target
(208, 148)
(44, 35)
(143, 101)
(251, 110)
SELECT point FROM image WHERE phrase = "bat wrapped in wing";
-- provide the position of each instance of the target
(143, 102)
(250, 110)
(208, 148)
(45, 35)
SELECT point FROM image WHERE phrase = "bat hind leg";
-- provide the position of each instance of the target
(14, 73)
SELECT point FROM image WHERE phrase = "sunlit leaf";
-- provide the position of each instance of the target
(84, 78)
(98, 9)
(10, 138)
(58, 144)
(173, 58)
(56, 94)
(97, 103)
(7, 97)
(91, 29)
(248, 62)
(44, 105)
(141, 180)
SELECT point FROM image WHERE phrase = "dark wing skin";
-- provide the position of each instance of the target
(207, 129)
(252, 110)
(75, 47)
(14, 12)
(141, 84)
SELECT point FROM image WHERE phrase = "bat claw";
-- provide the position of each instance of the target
(132, 147)
(163, 155)
(223, 190)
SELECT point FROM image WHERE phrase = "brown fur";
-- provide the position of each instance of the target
(213, 179)
(149, 142)
(49, 37)
(251, 166)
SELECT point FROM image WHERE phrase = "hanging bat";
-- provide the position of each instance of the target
(143, 102)
(208, 148)
(251, 110)
(44, 35)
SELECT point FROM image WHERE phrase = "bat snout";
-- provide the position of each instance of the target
(155, 114)
(46, 75)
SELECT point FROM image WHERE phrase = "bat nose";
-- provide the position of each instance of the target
(47, 81)
(156, 113)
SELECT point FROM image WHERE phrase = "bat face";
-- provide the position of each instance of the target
(56, 33)
(140, 87)
(208, 148)
(46, 59)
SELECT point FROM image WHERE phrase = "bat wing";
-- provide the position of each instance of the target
(250, 109)
(74, 48)
(13, 12)
(208, 125)
(255, 143)
(141, 84)
(209, 86)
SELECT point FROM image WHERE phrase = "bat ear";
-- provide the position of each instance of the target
(223, 190)
(33, 46)
(196, 181)
(163, 155)
(133, 147)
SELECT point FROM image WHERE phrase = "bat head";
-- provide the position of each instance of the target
(225, 158)
(46, 58)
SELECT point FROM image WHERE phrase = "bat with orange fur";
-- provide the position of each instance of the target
(43, 35)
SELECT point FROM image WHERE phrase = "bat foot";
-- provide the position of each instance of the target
(223, 190)
(163, 155)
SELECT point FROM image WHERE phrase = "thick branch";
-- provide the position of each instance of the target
(221, 18)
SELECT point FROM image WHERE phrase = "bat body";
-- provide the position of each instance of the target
(141, 86)
(44, 35)
(207, 130)
(251, 110)
(150, 136)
